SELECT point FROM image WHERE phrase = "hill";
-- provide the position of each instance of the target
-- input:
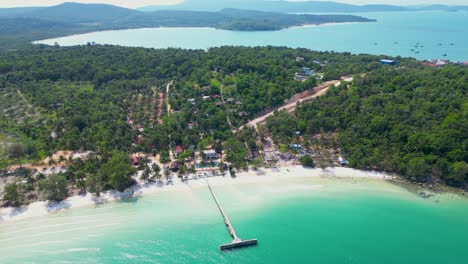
(293, 7)
(275, 6)
(82, 13)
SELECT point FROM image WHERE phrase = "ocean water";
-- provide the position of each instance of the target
(300, 220)
(394, 33)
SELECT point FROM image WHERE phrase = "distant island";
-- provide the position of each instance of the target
(19, 26)
(296, 7)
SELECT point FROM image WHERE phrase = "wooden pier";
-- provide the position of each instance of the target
(236, 242)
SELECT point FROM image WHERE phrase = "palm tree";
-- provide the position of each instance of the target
(156, 169)
(81, 185)
(146, 174)
(51, 162)
(62, 159)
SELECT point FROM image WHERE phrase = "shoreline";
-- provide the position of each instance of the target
(324, 24)
(262, 175)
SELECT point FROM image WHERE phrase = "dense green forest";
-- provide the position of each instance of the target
(18, 27)
(412, 121)
(114, 101)
(82, 94)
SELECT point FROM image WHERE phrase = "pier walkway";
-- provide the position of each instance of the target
(236, 242)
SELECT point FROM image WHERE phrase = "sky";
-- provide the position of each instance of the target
(140, 3)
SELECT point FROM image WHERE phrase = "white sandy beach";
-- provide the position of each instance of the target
(252, 177)
(321, 25)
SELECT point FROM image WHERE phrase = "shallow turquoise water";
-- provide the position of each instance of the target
(428, 28)
(299, 221)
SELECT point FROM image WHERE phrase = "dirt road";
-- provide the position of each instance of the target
(291, 105)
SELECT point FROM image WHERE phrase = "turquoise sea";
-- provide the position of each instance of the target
(299, 220)
(395, 33)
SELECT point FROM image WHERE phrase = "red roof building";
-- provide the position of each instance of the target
(179, 149)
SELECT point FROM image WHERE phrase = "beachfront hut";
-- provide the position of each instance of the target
(342, 161)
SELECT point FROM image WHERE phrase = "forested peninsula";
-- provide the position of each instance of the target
(19, 26)
(106, 103)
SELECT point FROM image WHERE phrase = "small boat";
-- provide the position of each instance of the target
(376, 43)
(451, 44)
(417, 52)
(440, 44)
(445, 54)
(412, 49)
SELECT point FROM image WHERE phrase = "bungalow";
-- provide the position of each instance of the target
(218, 104)
(210, 154)
(243, 113)
(174, 166)
(230, 100)
(299, 59)
(307, 72)
(191, 100)
(140, 128)
(178, 150)
(299, 77)
(342, 161)
(440, 63)
(295, 146)
(271, 156)
(388, 62)
(206, 97)
(239, 102)
(136, 161)
(435, 63)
